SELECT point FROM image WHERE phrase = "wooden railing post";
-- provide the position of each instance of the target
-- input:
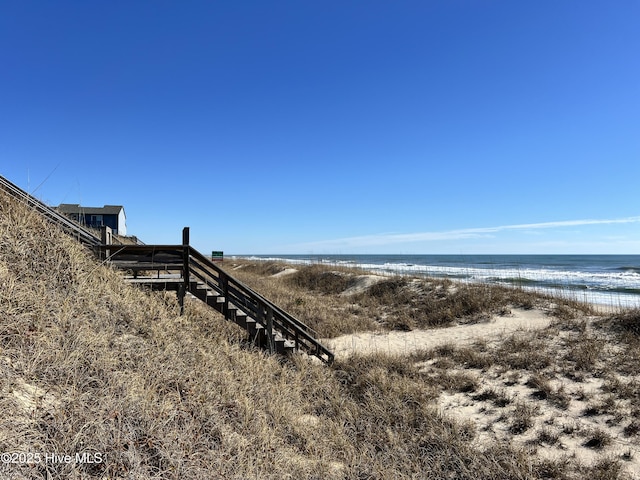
(224, 280)
(270, 338)
(186, 271)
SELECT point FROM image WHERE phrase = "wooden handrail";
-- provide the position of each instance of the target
(66, 224)
(295, 329)
(234, 291)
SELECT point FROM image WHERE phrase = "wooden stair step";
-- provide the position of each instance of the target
(236, 315)
(205, 291)
(253, 326)
(213, 295)
(282, 345)
(216, 302)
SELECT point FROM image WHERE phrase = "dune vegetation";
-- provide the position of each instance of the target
(113, 377)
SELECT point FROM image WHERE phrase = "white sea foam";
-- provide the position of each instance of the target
(617, 287)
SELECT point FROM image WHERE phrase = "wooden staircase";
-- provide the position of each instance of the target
(257, 332)
(185, 270)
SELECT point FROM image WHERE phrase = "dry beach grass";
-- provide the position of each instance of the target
(93, 365)
(546, 375)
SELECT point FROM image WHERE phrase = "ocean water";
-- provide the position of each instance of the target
(612, 280)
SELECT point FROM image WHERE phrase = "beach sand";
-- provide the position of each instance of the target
(400, 342)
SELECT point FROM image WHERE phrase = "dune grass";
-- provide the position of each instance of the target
(548, 366)
(315, 293)
(93, 365)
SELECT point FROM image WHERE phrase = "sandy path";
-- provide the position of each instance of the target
(407, 342)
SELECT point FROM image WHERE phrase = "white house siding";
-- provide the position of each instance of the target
(122, 223)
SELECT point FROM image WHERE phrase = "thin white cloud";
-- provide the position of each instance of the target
(395, 238)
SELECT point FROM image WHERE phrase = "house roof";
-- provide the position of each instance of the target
(68, 208)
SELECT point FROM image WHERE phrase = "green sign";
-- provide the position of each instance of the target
(217, 256)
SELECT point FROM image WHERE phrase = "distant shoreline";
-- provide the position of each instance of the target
(609, 281)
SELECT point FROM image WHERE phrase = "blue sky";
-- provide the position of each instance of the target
(333, 127)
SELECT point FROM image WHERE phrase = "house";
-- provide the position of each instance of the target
(95, 217)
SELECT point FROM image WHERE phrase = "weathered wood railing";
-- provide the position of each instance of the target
(67, 225)
(272, 317)
(197, 271)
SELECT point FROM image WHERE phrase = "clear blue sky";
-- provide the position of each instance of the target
(430, 126)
